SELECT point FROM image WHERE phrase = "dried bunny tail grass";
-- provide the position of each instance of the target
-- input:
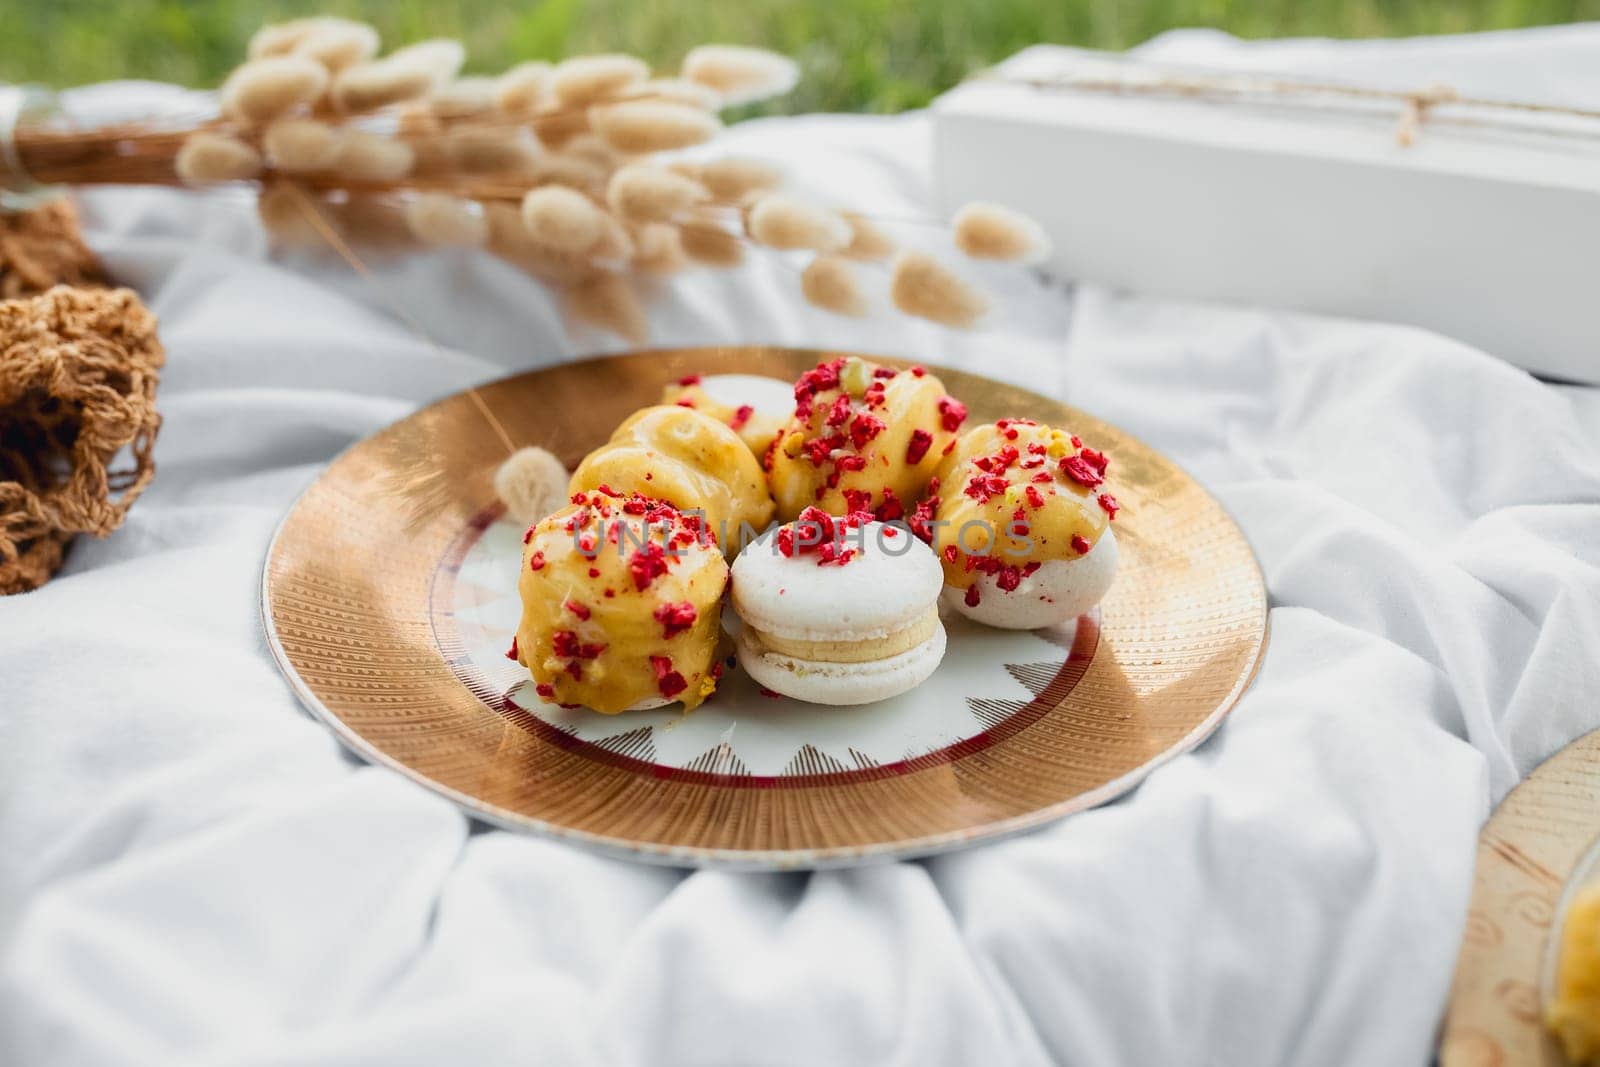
(332, 41)
(263, 89)
(609, 302)
(280, 38)
(563, 219)
(531, 484)
(785, 222)
(372, 157)
(368, 86)
(990, 231)
(572, 172)
(614, 244)
(591, 149)
(440, 58)
(710, 245)
(652, 126)
(658, 249)
(491, 150)
(374, 221)
(922, 286)
(677, 91)
(300, 145)
(338, 43)
(525, 87)
(867, 241)
(441, 220)
(283, 208)
(733, 179)
(740, 75)
(556, 128)
(584, 80)
(830, 282)
(641, 193)
(464, 98)
(216, 157)
(510, 240)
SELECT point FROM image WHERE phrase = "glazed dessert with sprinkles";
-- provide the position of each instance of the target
(862, 438)
(1023, 518)
(621, 604)
(688, 459)
(755, 427)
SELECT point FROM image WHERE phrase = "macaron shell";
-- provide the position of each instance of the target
(840, 684)
(894, 581)
(1057, 592)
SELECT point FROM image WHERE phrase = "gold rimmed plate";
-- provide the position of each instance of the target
(1538, 847)
(389, 597)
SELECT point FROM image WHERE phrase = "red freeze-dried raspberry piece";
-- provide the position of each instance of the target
(918, 371)
(1081, 471)
(1027, 571)
(851, 463)
(884, 372)
(874, 397)
(676, 618)
(529, 535)
(857, 500)
(1008, 579)
(949, 553)
(1034, 499)
(952, 413)
(668, 681)
(1097, 460)
(972, 596)
(536, 561)
(511, 653)
(922, 519)
(1043, 478)
(580, 610)
(684, 402)
(1077, 442)
(921, 441)
(741, 415)
(689, 379)
(771, 694)
(646, 564)
(891, 508)
(839, 413)
(865, 427)
(831, 552)
(545, 689)
(1109, 502)
(1079, 545)
(786, 542)
(817, 450)
(984, 486)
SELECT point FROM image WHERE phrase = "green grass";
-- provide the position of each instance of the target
(869, 55)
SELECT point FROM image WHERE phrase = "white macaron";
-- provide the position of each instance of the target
(838, 611)
(1059, 591)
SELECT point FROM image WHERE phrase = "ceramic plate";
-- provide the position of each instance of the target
(1537, 847)
(390, 598)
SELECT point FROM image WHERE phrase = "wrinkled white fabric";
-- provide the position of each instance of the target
(191, 872)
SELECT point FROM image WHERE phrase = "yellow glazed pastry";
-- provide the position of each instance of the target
(688, 459)
(862, 438)
(1574, 1016)
(621, 605)
(756, 428)
(1022, 524)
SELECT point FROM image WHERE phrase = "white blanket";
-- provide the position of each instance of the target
(192, 872)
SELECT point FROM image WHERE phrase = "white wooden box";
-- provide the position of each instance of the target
(1488, 236)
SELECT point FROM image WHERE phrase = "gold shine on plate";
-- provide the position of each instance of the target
(390, 595)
